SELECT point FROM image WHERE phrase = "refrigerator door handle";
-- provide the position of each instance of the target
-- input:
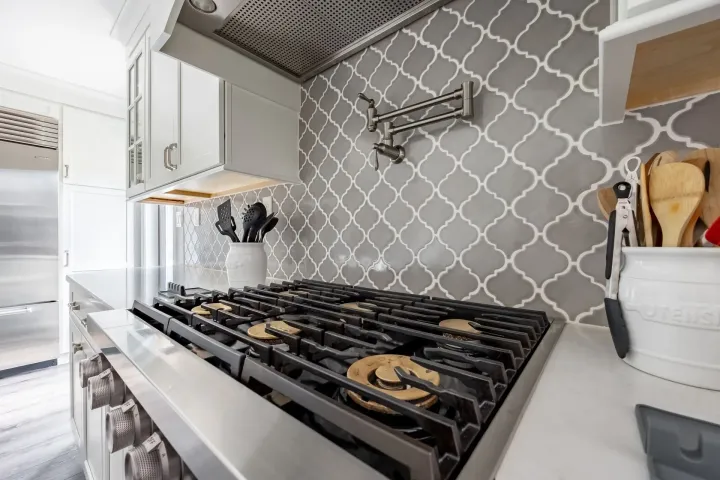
(14, 311)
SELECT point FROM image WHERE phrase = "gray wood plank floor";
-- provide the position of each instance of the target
(36, 442)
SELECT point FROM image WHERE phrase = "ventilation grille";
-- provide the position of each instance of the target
(22, 127)
(298, 36)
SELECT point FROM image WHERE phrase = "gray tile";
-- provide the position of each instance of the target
(589, 78)
(458, 187)
(576, 113)
(510, 127)
(662, 113)
(541, 148)
(575, 232)
(483, 208)
(575, 173)
(435, 257)
(544, 34)
(416, 235)
(541, 205)
(439, 28)
(698, 125)
(436, 212)
(459, 282)
(575, 292)
(576, 53)
(416, 278)
(512, 73)
(542, 91)
(510, 180)
(485, 56)
(616, 141)
(515, 17)
(540, 261)
(400, 48)
(462, 39)
(437, 77)
(572, 7)
(509, 234)
(509, 287)
(458, 234)
(598, 15)
(418, 60)
(483, 12)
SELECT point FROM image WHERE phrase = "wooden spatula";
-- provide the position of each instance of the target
(675, 192)
(606, 201)
(646, 215)
(699, 159)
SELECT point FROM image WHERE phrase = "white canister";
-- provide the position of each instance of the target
(246, 264)
(670, 299)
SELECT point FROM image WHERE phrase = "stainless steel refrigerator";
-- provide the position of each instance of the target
(29, 180)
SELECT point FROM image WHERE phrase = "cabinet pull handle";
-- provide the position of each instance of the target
(67, 258)
(166, 155)
(74, 306)
(67, 170)
(171, 148)
(14, 311)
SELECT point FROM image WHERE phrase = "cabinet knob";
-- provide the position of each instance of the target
(77, 347)
(74, 306)
(90, 367)
(154, 459)
(106, 389)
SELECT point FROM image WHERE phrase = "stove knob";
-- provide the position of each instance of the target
(106, 389)
(91, 367)
(126, 425)
(154, 459)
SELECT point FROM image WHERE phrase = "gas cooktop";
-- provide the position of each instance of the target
(408, 384)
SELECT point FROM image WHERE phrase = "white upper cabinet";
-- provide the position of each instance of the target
(93, 149)
(658, 51)
(137, 113)
(164, 119)
(201, 122)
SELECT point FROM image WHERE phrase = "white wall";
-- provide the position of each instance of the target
(68, 40)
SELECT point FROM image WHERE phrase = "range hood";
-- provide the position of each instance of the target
(300, 38)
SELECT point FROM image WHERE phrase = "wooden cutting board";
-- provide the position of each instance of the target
(607, 201)
(675, 191)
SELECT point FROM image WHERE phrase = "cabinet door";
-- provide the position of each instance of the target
(137, 126)
(164, 117)
(95, 223)
(77, 409)
(201, 121)
(93, 149)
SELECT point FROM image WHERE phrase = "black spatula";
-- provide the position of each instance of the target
(226, 222)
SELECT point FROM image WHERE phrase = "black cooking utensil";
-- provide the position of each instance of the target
(226, 222)
(269, 225)
(253, 218)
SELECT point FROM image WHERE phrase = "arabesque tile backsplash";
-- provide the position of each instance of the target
(499, 208)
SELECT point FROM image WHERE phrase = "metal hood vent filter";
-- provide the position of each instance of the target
(301, 38)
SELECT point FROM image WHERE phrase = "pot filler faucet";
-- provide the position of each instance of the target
(396, 153)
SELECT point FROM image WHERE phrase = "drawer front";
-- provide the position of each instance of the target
(29, 334)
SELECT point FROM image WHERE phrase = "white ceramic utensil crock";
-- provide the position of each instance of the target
(670, 299)
(246, 264)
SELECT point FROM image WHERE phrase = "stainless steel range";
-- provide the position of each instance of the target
(308, 379)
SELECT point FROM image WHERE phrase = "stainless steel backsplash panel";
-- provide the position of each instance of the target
(301, 38)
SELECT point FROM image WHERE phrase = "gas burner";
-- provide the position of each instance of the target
(356, 306)
(258, 331)
(378, 372)
(459, 324)
(201, 310)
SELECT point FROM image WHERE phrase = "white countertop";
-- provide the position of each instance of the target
(119, 288)
(580, 422)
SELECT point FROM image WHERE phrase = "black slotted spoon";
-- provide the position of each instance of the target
(226, 222)
(253, 218)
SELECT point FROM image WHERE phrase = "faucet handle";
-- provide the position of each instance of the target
(370, 101)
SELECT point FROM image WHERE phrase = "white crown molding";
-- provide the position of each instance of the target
(57, 91)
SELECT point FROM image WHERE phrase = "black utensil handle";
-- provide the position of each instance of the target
(610, 243)
(618, 327)
(622, 190)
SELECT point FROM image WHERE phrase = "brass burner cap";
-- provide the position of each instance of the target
(355, 306)
(200, 310)
(459, 324)
(382, 368)
(258, 331)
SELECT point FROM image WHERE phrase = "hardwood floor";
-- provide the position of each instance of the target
(36, 442)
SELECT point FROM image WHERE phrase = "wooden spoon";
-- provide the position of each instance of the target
(699, 159)
(708, 158)
(675, 192)
(646, 216)
(606, 201)
(668, 156)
